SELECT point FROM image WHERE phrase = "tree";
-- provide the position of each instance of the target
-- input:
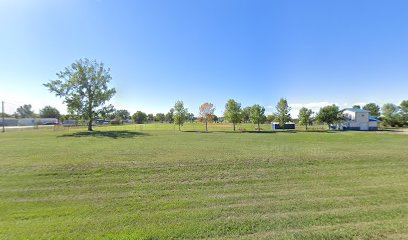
(232, 112)
(139, 117)
(122, 114)
(282, 112)
(257, 115)
(24, 111)
(84, 87)
(106, 112)
(49, 112)
(390, 114)
(180, 114)
(169, 115)
(404, 112)
(373, 108)
(206, 114)
(191, 117)
(150, 117)
(271, 118)
(246, 114)
(329, 115)
(160, 117)
(357, 106)
(305, 117)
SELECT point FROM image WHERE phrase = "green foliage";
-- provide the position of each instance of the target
(160, 117)
(232, 112)
(357, 106)
(257, 115)
(404, 112)
(180, 114)
(305, 117)
(390, 115)
(122, 114)
(24, 111)
(139, 117)
(373, 108)
(84, 87)
(329, 115)
(282, 112)
(246, 114)
(106, 112)
(49, 112)
(170, 115)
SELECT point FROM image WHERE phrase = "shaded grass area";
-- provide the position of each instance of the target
(110, 134)
(171, 184)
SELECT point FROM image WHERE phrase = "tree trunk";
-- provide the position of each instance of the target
(206, 128)
(259, 128)
(306, 127)
(179, 128)
(234, 126)
(90, 125)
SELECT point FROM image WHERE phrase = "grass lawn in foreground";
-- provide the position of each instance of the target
(150, 182)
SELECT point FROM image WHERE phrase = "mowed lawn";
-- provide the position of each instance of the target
(150, 182)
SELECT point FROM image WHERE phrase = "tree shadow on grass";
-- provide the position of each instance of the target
(108, 134)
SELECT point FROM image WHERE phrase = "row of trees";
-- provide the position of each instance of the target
(84, 87)
(26, 111)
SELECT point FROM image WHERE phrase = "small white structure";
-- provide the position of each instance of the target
(359, 119)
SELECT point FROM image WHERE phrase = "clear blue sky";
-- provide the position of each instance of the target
(311, 52)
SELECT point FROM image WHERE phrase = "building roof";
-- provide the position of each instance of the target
(356, 110)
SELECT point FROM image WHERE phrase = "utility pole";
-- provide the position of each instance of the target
(2, 115)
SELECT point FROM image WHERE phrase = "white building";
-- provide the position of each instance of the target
(359, 119)
(36, 121)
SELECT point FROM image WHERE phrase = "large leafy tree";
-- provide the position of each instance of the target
(390, 114)
(24, 111)
(404, 112)
(122, 114)
(232, 112)
(282, 112)
(257, 115)
(139, 117)
(246, 114)
(305, 117)
(160, 117)
(49, 112)
(84, 87)
(180, 114)
(206, 114)
(373, 108)
(169, 115)
(330, 114)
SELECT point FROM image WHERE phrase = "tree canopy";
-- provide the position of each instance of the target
(49, 112)
(257, 115)
(282, 112)
(24, 111)
(180, 114)
(84, 87)
(305, 117)
(139, 117)
(232, 112)
(206, 114)
(330, 114)
(373, 108)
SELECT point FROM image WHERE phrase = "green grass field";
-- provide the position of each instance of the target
(151, 182)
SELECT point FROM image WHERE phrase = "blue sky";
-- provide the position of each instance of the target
(311, 52)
